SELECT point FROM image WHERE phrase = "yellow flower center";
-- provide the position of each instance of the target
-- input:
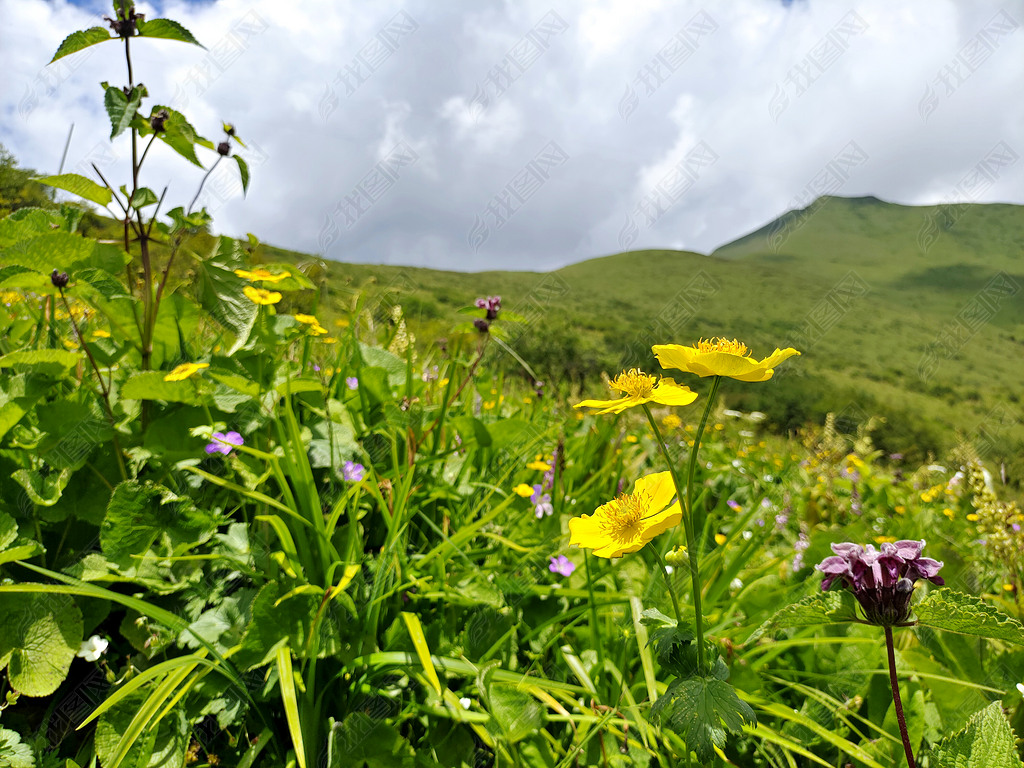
(717, 344)
(634, 383)
(621, 517)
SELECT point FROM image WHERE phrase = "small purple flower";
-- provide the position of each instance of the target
(430, 374)
(492, 304)
(352, 471)
(541, 502)
(222, 443)
(734, 505)
(781, 520)
(882, 580)
(562, 565)
(481, 325)
(352, 382)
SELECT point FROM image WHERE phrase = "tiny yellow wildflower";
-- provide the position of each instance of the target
(631, 438)
(101, 333)
(972, 517)
(540, 466)
(671, 422)
(329, 340)
(720, 539)
(263, 275)
(185, 370)
(948, 513)
(524, 490)
(1008, 587)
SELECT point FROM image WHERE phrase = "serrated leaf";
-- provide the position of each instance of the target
(986, 742)
(49, 361)
(8, 530)
(703, 710)
(121, 108)
(822, 608)
(77, 41)
(166, 29)
(243, 171)
(84, 187)
(150, 385)
(144, 196)
(44, 490)
(13, 752)
(39, 636)
(967, 615)
(220, 293)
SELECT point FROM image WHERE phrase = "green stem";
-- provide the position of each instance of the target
(907, 749)
(598, 645)
(691, 544)
(668, 584)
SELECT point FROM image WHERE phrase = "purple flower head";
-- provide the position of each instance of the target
(222, 443)
(492, 304)
(352, 471)
(541, 502)
(562, 565)
(734, 505)
(352, 382)
(481, 325)
(882, 579)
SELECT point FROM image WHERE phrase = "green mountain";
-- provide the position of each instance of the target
(912, 313)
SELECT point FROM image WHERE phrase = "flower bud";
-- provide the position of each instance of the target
(482, 325)
(156, 122)
(59, 279)
(224, 149)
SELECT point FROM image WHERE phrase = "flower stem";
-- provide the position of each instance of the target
(691, 548)
(668, 585)
(896, 698)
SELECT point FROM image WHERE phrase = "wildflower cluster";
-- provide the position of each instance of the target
(998, 522)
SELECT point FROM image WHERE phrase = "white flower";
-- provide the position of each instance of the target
(746, 433)
(736, 584)
(1020, 688)
(466, 702)
(669, 569)
(935, 468)
(732, 413)
(92, 648)
(756, 416)
(748, 535)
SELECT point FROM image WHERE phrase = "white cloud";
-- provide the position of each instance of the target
(324, 91)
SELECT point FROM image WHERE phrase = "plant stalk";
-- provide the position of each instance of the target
(896, 698)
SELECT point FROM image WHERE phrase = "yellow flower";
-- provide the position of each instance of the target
(720, 539)
(639, 388)
(720, 357)
(1008, 587)
(185, 370)
(973, 517)
(671, 422)
(524, 490)
(262, 275)
(307, 319)
(443, 382)
(884, 539)
(100, 333)
(627, 523)
(341, 322)
(540, 466)
(631, 438)
(261, 295)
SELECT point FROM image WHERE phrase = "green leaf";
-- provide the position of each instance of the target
(380, 358)
(220, 293)
(360, 740)
(967, 615)
(77, 41)
(177, 133)
(144, 196)
(515, 713)
(702, 710)
(140, 515)
(164, 745)
(243, 171)
(122, 107)
(39, 636)
(54, 362)
(14, 753)
(79, 185)
(817, 610)
(150, 385)
(986, 742)
(8, 530)
(166, 29)
(44, 490)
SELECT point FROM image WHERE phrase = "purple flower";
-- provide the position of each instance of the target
(882, 580)
(734, 505)
(352, 382)
(562, 565)
(222, 443)
(352, 471)
(541, 502)
(492, 304)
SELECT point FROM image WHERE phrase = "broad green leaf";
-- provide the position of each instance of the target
(471, 428)
(79, 185)
(220, 292)
(381, 358)
(8, 530)
(703, 710)
(166, 29)
(144, 196)
(177, 133)
(43, 489)
(141, 515)
(822, 608)
(13, 752)
(54, 362)
(986, 742)
(121, 107)
(967, 615)
(361, 740)
(150, 385)
(76, 41)
(516, 714)
(39, 636)
(243, 171)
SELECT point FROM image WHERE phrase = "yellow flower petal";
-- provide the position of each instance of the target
(524, 490)
(720, 357)
(261, 295)
(639, 388)
(183, 371)
(263, 275)
(540, 466)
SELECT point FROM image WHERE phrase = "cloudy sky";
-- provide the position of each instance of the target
(530, 134)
